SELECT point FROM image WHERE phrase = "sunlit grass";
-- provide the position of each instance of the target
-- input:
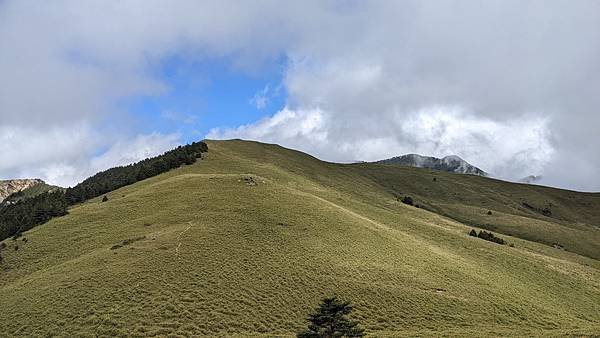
(217, 256)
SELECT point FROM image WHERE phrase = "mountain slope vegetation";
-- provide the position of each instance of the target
(32, 208)
(247, 241)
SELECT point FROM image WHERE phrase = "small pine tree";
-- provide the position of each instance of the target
(330, 320)
(104, 199)
(473, 233)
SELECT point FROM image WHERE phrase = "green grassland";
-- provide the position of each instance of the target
(248, 240)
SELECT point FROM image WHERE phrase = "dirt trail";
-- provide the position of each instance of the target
(179, 238)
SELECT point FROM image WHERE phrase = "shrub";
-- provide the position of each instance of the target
(407, 200)
(473, 233)
(104, 199)
(488, 236)
(544, 211)
(127, 242)
(330, 319)
(489, 212)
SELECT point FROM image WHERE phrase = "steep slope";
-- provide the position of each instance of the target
(453, 163)
(246, 242)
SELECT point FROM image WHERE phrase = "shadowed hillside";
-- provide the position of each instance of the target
(246, 241)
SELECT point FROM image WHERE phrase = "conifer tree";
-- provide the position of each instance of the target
(331, 320)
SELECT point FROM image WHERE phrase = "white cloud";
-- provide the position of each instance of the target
(178, 117)
(261, 98)
(67, 155)
(286, 127)
(511, 149)
(358, 74)
(132, 150)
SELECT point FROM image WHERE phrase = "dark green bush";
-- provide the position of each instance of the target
(407, 200)
(488, 236)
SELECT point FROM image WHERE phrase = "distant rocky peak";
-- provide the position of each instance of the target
(8, 187)
(452, 163)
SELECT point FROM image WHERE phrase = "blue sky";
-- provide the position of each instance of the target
(207, 94)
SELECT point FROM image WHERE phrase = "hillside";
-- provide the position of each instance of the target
(452, 164)
(246, 241)
(9, 187)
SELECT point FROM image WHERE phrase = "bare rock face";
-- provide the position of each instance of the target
(8, 187)
(453, 163)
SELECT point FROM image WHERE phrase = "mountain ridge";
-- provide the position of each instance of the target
(11, 186)
(451, 163)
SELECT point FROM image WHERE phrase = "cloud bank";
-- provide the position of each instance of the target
(511, 86)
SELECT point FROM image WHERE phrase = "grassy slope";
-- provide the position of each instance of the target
(222, 257)
(574, 222)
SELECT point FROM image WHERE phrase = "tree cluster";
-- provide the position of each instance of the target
(115, 178)
(25, 214)
(488, 236)
(544, 211)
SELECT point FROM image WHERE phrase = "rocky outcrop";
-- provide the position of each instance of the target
(8, 187)
(451, 163)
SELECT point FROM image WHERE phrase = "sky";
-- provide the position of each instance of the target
(512, 87)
